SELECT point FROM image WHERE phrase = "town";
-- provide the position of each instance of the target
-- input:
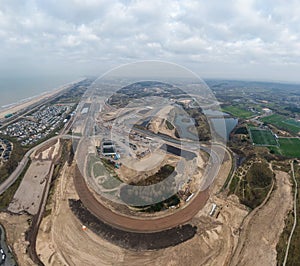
(40, 124)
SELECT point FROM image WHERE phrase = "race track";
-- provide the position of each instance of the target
(136, 224)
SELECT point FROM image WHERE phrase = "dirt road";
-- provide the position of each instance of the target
(258, 239)
(295, 215)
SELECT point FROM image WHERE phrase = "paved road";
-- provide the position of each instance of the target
(134, 224)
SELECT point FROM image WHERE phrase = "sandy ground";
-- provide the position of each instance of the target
(16, 108)
(158, 123)
(61, 240)
(145, 164)
(29, 194)
(257, 245)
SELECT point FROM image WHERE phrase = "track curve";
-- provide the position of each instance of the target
(134, 224)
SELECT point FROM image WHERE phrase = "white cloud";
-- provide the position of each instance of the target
(229, 33)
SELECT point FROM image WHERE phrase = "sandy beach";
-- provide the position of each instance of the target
(24, 104)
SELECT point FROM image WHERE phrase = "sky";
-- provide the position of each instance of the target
(232, 39)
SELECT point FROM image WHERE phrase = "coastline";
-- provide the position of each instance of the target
(24, 103)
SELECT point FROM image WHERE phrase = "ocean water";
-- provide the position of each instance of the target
(16, 89)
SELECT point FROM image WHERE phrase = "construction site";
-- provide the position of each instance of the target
(140, 190)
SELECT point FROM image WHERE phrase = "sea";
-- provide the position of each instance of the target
(14, 90)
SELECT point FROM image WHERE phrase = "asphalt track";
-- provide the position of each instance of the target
(137, 224)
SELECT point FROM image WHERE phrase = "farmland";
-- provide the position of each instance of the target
(289, 147)
(263, 137)
(237, 111)
(282, 122)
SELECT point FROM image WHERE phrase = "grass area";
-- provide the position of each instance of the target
(111, 183)
(161, 175)
(237, 111)
(92, 159)
(293, 122)
(98, 169)
(234, 183)
(16, 156)
(263, 137)
(289, 147)
(109, 166)
(163, 205)
(241, 130)
(201, 123)
(103, 167)
(253, 187)
(136, 195)
(75, 134)
(169, 125)
(8, 195)
(281, 166)
(283, 123)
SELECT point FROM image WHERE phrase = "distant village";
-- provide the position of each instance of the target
(38, 125)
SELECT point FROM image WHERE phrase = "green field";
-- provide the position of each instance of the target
(237, 112)
(289, 147)
(99, 169)
(293, 122)
(263, 137)
(283, 122)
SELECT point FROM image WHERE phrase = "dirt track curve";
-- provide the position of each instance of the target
(133, 224)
